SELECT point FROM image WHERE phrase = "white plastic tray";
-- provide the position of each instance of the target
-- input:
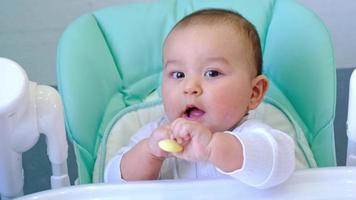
(321, 183)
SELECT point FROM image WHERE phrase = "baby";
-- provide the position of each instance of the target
(212, 78)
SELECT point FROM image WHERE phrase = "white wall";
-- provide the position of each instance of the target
(340, 18)
(30, 29)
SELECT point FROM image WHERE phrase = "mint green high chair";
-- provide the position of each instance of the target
(109, 61)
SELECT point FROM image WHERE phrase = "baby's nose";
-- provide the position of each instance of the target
(192, 88)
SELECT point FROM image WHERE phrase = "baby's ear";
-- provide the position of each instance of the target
(259, 88)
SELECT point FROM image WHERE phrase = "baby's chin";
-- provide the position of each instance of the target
(212, 127)
(219, 128)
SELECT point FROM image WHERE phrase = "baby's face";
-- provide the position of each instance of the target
(207, 76)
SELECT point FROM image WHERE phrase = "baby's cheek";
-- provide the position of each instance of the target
(225, 117)
(172, 102)
(170, 111)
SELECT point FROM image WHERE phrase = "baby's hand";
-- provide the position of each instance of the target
(194, 137)
(161, 133)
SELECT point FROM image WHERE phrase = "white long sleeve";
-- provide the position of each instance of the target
(269, 157)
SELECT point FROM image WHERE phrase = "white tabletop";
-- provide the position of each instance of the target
(321, 183)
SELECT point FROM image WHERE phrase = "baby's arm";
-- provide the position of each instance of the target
(226, 152)
(140, 164)
(144, 160)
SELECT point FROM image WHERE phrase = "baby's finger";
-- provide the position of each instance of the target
(163, 132)
(187, 137)
(181, 128)
(179, 140)
(176, 124)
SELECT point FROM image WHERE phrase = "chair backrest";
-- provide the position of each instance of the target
(111, 59)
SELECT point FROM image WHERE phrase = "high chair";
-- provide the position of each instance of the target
(109, 65)
(351, 123)
(26, 110)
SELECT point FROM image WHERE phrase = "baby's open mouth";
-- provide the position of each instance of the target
(193, 112)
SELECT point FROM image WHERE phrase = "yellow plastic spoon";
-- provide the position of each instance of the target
(170, 146)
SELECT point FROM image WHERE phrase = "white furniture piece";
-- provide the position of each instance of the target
(351, 122)
(333, 183)
(26, 110)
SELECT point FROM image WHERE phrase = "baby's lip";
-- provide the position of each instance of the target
(193, 112)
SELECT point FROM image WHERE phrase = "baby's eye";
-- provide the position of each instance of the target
(177, 75)
(212, 73)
